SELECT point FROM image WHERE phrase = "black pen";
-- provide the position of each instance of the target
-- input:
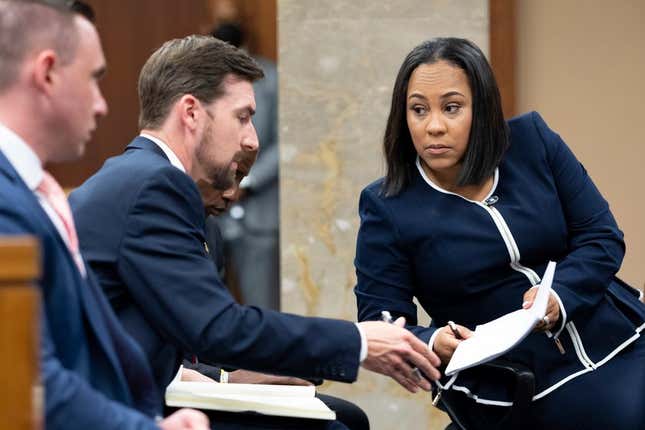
(387, 317)
(454, 329)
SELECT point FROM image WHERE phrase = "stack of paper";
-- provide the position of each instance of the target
(496, 337)
(281, 400)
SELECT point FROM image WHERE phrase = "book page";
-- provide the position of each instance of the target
(245, 389)
(496, 337)
(280, 400)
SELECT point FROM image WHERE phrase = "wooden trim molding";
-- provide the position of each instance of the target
(21, 396)
(503, 44)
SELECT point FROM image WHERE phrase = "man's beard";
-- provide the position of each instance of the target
(221, 177)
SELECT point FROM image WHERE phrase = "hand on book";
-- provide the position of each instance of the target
(249, 377)
(552, 309)
(244, 377)
(447, 341)
(185, 419)
(394, 351)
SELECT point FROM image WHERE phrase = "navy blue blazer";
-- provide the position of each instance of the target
(471, 262)
(91, 369)
(141, 228)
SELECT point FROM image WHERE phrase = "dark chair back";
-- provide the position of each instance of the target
(515, 418)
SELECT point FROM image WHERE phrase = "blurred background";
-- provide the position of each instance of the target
(580, 64)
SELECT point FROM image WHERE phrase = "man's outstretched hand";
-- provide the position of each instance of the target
(394, 351)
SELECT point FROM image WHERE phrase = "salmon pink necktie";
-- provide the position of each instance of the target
(55, 196)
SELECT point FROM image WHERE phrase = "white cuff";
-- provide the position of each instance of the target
(432, 338)
(363, 354)
(563, 315)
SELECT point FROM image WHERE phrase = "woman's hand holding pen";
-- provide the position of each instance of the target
(552, 309)
(448, 339)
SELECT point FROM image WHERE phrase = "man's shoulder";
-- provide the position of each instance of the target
(9, 188)
(15, 204)
(133, 163)
(134, 182)
(126, 174)
(14, 219)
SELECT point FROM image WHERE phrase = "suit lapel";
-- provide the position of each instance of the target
(31, 203)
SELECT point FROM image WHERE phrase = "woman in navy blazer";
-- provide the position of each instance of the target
(468, 215)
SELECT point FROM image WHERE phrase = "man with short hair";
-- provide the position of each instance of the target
(94, 374)
(141, 223)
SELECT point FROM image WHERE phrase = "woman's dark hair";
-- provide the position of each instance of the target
(488, 138)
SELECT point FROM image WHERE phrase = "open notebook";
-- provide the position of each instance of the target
(281, 400)
(496, 337)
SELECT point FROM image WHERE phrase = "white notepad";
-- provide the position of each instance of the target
(281, 400)
(496, 337)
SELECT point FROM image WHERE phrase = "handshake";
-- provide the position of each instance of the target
(394, 351)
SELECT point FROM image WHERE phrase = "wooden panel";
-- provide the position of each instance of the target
(503, 43)
(257, 17)
(130, 32)
(21, 398)
(261, 23)
(19, 259)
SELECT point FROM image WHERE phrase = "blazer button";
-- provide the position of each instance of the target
(491, 200)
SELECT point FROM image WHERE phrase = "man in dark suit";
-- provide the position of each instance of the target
(95, 376)
(141, 223)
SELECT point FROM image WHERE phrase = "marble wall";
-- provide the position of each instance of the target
(337, 63)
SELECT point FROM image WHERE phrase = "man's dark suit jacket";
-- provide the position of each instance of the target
(141, 227)
(90, 367)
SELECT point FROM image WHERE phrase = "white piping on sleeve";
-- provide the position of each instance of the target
(563, 314)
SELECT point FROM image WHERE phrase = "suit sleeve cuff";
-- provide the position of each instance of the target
(363, 354)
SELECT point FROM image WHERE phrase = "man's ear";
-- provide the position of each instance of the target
(190, 110)
(44, 72)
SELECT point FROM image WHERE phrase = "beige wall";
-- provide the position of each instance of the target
(337, 63)
(581, 64)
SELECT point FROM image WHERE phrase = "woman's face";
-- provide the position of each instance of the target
(439, 115)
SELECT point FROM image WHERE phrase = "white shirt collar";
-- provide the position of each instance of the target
(23, 159)
(174, 160)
